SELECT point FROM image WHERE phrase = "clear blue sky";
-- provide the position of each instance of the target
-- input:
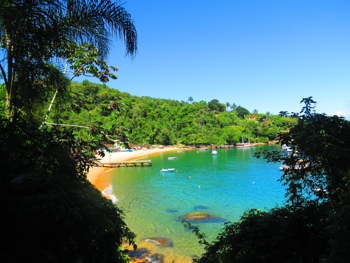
(260, 54)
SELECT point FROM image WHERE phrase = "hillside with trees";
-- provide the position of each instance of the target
(147, 121)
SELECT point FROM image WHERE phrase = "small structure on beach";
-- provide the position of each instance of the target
(125, 164)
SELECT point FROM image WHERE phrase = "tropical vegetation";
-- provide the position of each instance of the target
(148, 121)
(50, 125)
(313, 226)
(51, 212)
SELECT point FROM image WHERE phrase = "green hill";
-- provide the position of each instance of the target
(150, 121)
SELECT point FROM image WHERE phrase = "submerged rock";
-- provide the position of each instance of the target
(171, 211)
(159, 241)
(200, 207)
(187, 229)
(200, 217)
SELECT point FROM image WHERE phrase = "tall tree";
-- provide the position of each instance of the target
(233, 106)
(216, 106)
(227, 105)
(34, 32)
(242, 112)
(54, 213)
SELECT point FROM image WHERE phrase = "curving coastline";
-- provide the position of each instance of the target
(95, 176)
(102, 180)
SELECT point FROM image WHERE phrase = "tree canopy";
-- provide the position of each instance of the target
(35, 35)
(147, 121)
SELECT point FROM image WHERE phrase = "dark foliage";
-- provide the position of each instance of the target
(51, 213)
(280, 235)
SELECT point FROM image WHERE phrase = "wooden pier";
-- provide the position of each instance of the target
(125, 164)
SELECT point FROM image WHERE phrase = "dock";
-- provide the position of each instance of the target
(125, 164)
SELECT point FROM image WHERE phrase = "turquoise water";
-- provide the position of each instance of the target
(224, 186)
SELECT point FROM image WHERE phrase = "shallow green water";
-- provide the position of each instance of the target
(230, 183)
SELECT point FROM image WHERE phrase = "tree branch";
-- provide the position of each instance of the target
(69, 125)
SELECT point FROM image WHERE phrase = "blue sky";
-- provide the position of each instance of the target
(259, 54)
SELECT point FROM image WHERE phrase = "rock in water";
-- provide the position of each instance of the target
(200, 207)
(196, 216)
(200, 217)
(159, 241)
(171, 211)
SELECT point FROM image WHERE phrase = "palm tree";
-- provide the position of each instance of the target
(190, 99)
(33, 32)
(233, 106)
(227, 105)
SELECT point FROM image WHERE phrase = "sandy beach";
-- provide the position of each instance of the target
(95, 177)
(96, 172)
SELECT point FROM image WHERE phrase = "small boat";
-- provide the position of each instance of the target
(284, 146)
(244, 144)
(168, 170)
(172, 158)
(203, 149)
(214, 152)
(287, 167)
(286, 149)
(180, 151)
(295, 167)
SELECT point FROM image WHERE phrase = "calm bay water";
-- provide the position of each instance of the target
(224, 186)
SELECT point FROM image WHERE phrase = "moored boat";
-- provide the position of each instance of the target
(286, 148)
(168, 170)
(244, 144)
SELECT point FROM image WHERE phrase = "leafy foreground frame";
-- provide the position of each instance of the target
(51, 212)
(314, 224)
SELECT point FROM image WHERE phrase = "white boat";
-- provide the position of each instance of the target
(172, 158)
(287, 167)
(286, 148)
(180, 151)
(244, 144)
(168, 170)
(296, 167)
(214, 152)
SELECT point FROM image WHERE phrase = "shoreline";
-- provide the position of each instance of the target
(95, 177)
(95, 173)
(98, 177)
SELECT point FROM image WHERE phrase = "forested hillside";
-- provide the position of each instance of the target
(148, 120)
